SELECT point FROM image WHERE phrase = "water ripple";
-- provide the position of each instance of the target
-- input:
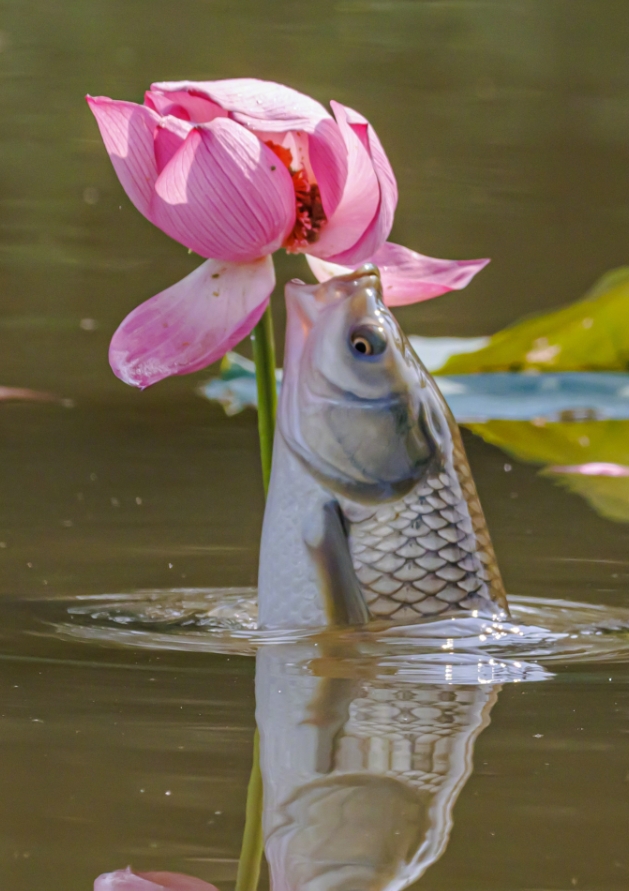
(541, 636)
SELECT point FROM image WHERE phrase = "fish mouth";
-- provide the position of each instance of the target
(309, 299)
(367, 270)
(305, 302)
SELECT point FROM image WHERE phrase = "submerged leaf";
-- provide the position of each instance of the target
(559, 443)
(571, 444)
(473, 398)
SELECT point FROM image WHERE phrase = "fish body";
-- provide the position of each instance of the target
(372, 510)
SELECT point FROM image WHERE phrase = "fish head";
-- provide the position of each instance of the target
(357, 406)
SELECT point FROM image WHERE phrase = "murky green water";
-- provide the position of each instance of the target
(507, 124)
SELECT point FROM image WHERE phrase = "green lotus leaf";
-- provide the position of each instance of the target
(589, 335)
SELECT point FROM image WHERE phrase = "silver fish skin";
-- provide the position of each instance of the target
(372, 510)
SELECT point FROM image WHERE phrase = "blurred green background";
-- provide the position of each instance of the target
(507, 124)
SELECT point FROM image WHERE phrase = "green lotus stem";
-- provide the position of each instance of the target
(264, 358)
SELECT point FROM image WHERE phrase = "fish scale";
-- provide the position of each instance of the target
(429, 552)
(353, 430)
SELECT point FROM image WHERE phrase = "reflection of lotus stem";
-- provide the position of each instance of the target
(264, 358)
(252, 841)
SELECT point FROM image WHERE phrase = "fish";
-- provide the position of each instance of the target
(372, 512)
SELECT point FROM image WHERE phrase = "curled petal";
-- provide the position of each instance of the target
(359, 202)
(408, 277)
(192, 323)
(128, 880)
(168, 137)
(127, 130)
(184, 105)
(380, 226)
(266, 108)
(258, 104)
(328, 158)
(224, 194)
(324, 269)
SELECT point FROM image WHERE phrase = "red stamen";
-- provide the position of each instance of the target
(282, 153)
(310, 215)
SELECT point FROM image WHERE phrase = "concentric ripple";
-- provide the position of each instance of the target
(541, 635)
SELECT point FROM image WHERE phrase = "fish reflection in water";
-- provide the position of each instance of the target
(361, 772)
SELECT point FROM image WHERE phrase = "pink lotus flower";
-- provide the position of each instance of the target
(234, 170)
(127, 880)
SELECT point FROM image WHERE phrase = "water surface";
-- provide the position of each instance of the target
(507, 126)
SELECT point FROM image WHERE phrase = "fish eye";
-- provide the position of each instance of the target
(367, 340)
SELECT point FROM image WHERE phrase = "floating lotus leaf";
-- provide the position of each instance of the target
(591, 334)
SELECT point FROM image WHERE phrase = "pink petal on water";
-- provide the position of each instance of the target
(359, 202)
(127, 130)
(594, 468)
(379, 227)
(224, 194)
(174, 881)
(192, 323)
(128, 880)
(258, 104)
(408, 277)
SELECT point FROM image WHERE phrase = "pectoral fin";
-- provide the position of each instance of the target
(325, 536)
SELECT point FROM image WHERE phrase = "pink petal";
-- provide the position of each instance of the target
(192, 323)
(224, 194)
(380, 226)
(267, 108)
(408, 277)
(359, 203)
(324, 269)
(184, 105)
(127, 130)
(175, 881)
(168, 137)
(328, 158)
(127, 880)
(258, 104)
(594, 468)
